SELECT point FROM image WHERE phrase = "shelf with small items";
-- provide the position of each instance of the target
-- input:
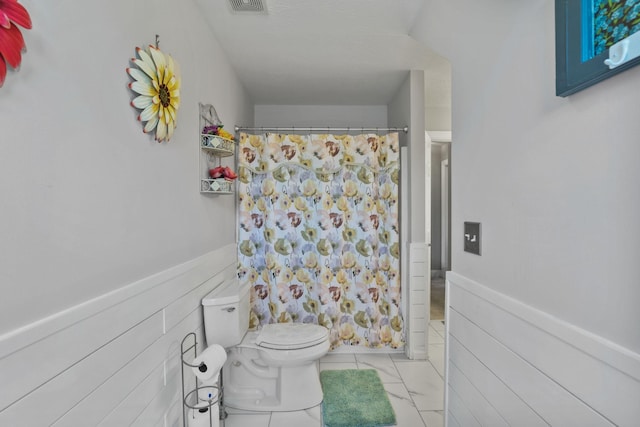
(215, 144)
(221, 180)
(217, 186)
(216, 178)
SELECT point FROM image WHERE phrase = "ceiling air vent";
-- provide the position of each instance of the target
(255, 6)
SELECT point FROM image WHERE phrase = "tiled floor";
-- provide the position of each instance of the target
(415, 388)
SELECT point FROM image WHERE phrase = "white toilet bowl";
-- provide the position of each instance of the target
(276, 368)
(272, 369)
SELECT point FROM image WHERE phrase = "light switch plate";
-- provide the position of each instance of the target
(472, 237)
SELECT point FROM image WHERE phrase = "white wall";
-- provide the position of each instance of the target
(407, 107)
(92, 207)
(438, 95)
(90, 203)
(399, 109)
(554, 181)
(321, 115)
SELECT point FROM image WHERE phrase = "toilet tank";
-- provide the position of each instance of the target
(226, 313)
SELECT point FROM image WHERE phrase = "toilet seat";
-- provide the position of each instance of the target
(291, 336)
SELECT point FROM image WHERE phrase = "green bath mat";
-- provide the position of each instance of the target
(355, 398)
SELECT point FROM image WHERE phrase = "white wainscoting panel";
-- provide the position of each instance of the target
(114, 360)
(419, 298)
(511, 364)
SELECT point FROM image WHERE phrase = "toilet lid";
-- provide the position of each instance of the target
(291, 336)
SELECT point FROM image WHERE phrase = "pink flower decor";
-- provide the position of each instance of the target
(12, 14)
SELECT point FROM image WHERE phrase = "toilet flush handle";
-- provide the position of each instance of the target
(229, 309)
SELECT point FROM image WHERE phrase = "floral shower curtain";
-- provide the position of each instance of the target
(319, 238)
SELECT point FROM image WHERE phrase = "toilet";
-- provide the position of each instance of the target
(274, 368)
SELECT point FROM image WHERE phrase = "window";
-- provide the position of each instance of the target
(588, 32)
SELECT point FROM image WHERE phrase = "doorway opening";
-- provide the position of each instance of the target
(440, 220)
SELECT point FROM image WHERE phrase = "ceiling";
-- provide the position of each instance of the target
(322, 52)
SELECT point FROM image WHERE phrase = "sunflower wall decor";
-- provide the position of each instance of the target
(12, 43)
(157, 85)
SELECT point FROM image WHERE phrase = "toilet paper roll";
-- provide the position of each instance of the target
(207, 366)
(212, 381)
(199, 417)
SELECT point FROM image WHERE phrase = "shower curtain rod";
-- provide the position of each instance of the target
(321, 129)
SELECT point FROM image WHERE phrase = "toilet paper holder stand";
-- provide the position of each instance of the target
(189, 342)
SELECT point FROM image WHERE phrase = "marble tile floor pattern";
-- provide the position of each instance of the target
(415, 388)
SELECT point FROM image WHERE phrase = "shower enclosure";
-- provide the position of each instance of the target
(319, 238)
